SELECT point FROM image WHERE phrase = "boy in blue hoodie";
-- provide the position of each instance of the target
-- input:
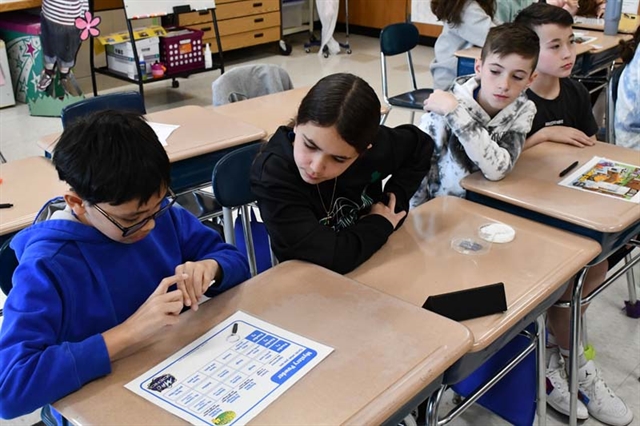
(94, 283)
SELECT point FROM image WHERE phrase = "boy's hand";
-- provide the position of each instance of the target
(161, 309)
(568, 135)
(199, 275)
(388, 210)
(440, 102)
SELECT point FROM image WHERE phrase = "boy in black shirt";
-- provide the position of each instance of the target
(564, 116)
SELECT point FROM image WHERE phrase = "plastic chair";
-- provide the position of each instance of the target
(232, 189)
(394, 40)
(124, 101)
(612, 97)
(249, 81)
(8, 264)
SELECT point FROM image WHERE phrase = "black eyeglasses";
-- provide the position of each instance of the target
(129, 230)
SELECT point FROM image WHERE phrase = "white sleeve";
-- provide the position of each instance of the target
(495, 158)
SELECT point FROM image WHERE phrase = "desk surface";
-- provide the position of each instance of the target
(27, 184)
(417, 261)
(386, 352)
(628, 23)
(266, 112)
(603, 43)
(201, 131)
(9, 5)
(271, 111)
(533, 185)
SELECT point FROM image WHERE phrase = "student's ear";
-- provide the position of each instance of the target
(477, 67)
(75, 203)
(370, 146)
(532, 77)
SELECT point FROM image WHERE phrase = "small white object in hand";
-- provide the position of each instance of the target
(497, 233)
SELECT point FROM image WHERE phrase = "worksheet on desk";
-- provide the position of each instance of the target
(231, 373)
(606, 177)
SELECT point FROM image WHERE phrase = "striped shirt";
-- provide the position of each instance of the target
(64, 12)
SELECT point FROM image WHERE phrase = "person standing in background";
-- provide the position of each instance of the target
(466, 24)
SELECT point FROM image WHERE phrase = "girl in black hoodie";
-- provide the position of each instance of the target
(319, 184)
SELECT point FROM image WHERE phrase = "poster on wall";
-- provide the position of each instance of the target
(630, 6)
(421, 12)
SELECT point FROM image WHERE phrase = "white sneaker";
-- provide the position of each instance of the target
(601, 402)
(558, 395)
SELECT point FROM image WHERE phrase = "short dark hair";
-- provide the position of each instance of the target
(512, 38)
(542, 14)
(112, 157)
(347, 102)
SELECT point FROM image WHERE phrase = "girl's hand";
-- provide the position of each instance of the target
(388, 211)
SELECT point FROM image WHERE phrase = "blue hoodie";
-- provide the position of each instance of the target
(72, 284)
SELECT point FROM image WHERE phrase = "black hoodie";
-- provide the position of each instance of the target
(292, 209)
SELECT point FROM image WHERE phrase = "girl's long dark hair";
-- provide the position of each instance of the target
(347, 102)
(450, 11)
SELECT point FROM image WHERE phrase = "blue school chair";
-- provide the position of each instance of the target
(394, 40)
(8, 264)
(124, 101)
(199, 204)
(232, 189)
(611, 98)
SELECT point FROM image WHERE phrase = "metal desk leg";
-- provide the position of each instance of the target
(576, 305)
(632, 306)
(542, 372)
(432, 406)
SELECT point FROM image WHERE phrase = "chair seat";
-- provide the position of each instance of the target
(413, 100)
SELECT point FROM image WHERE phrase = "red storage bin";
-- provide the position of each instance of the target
(181, 50)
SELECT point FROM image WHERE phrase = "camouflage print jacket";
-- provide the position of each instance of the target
(467, 140)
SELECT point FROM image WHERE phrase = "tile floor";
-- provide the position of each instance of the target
(615, 336)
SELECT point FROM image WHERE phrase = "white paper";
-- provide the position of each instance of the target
(224, 379)
(421, 12)
(606, 177)
(630, 6)
(163, 131)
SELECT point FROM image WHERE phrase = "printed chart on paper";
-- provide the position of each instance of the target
(227, 378)
(606, 177)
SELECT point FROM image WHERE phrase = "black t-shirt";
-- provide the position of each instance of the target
(572, 108)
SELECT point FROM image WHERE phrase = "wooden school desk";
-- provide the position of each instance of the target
(531, 190)
(266, 112)
(418, 261)
(386, 352)
(271, 111)
(27, 184)
(203, 137)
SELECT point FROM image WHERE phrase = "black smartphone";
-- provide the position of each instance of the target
(467, 304)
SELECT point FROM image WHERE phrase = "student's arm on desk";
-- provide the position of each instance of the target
(410, 155)
(560, 134)
(296, 233)
(160, 310)
(198, 243)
